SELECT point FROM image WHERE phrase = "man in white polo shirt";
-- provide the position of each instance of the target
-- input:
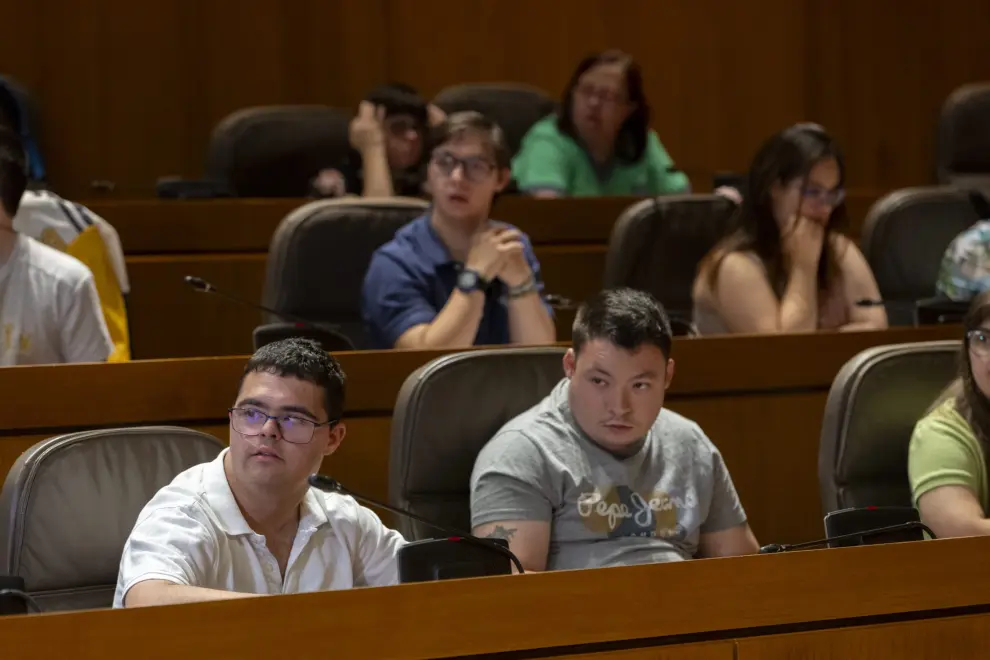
(248, 523)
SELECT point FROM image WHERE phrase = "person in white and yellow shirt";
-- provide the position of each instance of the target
(74, 229)
(49, 307)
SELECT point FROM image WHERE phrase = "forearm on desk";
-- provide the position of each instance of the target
(456, 326)
(161, 592)
(530, 322)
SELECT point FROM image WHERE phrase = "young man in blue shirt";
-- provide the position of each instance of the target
(454, 278)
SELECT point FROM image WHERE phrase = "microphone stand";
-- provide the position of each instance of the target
(201, 285)
(331, 485)
(902, 527)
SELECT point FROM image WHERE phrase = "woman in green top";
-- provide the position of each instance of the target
(600, 143)
(947, 459)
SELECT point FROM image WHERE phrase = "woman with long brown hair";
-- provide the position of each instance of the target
(947, 460)
(787, 267)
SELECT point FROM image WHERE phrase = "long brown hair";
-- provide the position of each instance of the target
(787, 156)
(972, 404)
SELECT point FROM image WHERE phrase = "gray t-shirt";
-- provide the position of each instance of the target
(604, 510)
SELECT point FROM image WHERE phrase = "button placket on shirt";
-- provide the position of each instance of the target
(269, 565)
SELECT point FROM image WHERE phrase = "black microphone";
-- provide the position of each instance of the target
(937, 310)
(329, 336)
(331, 485)
(559, 303)
(865, 534)
(201, 285)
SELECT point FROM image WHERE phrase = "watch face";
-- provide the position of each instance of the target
(467, 280)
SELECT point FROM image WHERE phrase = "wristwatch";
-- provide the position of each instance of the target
(469, 281)
(529, 286)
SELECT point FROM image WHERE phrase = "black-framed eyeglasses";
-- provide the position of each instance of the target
(293, 429)
(978, 342)
(475, 168)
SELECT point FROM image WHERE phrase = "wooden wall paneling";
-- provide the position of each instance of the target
(132, 92)
(149, 62)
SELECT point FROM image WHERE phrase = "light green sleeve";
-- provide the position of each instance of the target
(944, 452)
(541, 164)
(661, 180)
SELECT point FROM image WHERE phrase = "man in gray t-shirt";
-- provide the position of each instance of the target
(598, 474)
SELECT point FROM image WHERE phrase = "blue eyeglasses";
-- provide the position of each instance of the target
(822, 196)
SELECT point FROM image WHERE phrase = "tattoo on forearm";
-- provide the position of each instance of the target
(501, 533)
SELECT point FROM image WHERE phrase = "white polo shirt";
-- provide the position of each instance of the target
(192, 532)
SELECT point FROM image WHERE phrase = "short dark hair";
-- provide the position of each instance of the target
(630, 143)
(13, 171)
(306, 360)
(458, 124)
(399, 99)
(625, 317)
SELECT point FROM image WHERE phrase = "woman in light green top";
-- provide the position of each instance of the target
(601, 143)
(947, 459)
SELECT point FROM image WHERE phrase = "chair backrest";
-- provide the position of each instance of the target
(69, 503)
(445, 413)
(513, 106)
(319, 255)
(905, 235)
(276, 151)
(963, 145)
(870, 414)
(656, 245)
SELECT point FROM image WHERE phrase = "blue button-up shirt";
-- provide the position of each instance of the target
(412, 276)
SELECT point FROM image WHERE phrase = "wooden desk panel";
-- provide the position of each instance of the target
(765, 419)
(168, 319)
(226, 242)
(546, 614)
(958, 638)
(156, 226)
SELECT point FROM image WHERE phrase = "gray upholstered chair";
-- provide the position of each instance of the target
(69, 503)
(905, 235)
(870, 414)
(657, 244)
(276, 150)
(317, 260)
(963, 145)
(445, 413)
(513, 106)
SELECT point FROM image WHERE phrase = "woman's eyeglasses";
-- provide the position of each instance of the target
(822, 196)
(979, 343)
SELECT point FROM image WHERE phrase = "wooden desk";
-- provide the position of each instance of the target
(697, 610)
(760, 399)
(226, 242)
